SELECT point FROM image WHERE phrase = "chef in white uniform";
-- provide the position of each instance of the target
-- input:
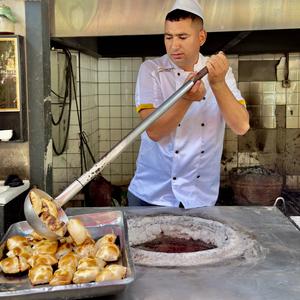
(179, 159)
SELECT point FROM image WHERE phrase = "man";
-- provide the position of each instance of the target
(179, 159)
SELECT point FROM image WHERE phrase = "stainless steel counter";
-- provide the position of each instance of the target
(277, 276)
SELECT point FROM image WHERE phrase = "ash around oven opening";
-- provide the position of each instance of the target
(174, 241)
(168, 244)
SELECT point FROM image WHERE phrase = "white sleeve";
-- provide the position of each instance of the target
(231, 82)
(148, 90)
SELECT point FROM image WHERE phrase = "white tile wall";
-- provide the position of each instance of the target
(117, 115)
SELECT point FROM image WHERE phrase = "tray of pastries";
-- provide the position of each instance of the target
(91, 259)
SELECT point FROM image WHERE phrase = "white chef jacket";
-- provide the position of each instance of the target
(185, 166)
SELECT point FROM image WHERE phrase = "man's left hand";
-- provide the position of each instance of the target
(217, 66)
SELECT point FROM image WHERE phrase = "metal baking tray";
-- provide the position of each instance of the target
(100, 223)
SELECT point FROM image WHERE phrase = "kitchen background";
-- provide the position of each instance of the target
(108, 110)
(265, 59)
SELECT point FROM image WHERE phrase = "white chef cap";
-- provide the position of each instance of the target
(191, 6)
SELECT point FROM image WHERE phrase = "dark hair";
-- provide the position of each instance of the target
(179, 14)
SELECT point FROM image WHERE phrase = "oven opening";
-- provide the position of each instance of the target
(168, 244)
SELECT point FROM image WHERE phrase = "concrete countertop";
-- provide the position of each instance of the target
(275, 276)
(12, 192)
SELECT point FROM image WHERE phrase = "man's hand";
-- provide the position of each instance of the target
(197, 92)
(217, 66)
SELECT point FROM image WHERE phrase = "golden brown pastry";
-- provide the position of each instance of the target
(53, 223)
(47, 210)
(25, 252)
(85, 275)
(77, 231)
(119, 271)
(42, 259)
(105, 275)
(61, 277)
(36, 202)
(86, 249)
(45, 247)
(50, 207)
(10, 265)
(23, 264)
(40, 274)
(16, 241)
(34, 236)
(87, 262)
(66, 239)
(108, 238)
(100, 262)
(60, 228)
(69, 261)
(108, 252)
(13, 265)
(63, 249)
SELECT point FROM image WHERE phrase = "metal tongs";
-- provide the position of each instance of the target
(75, 187)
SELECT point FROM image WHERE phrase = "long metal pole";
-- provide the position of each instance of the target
(78, 184)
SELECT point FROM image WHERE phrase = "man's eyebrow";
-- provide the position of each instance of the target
(177, 34)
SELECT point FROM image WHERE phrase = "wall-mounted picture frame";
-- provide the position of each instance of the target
(9, 74)
(13, 102)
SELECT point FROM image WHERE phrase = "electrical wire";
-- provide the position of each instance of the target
(67, 96)
(68, 69)
(70, 86)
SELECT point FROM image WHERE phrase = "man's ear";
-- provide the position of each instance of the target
(202, 37)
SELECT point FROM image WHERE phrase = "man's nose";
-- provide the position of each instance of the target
(175, 44)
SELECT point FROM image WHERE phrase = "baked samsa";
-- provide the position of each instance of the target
(50, 207)
(86, 249)
(63, 249)
(68, 261)
(25, 252)
(40, 274)
(61, 277)
(108, 252)
(45, 247)
(36, 202)
(108, 238)
(77, 231)
(42, 259)
(16, 241)
(13, 265)
(91, 262)
(54, 224)
(34, 236)
(118, 270)
(86, 275)
(111, 272)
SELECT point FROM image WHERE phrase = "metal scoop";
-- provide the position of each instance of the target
(34, 220)
(75, 187)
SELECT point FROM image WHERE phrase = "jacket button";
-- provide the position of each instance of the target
(179, 125)
(176, 151)
(203, 98)
(202, 151)
(202, 124)
(198, 176)
(178, 74)
(174, 178)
